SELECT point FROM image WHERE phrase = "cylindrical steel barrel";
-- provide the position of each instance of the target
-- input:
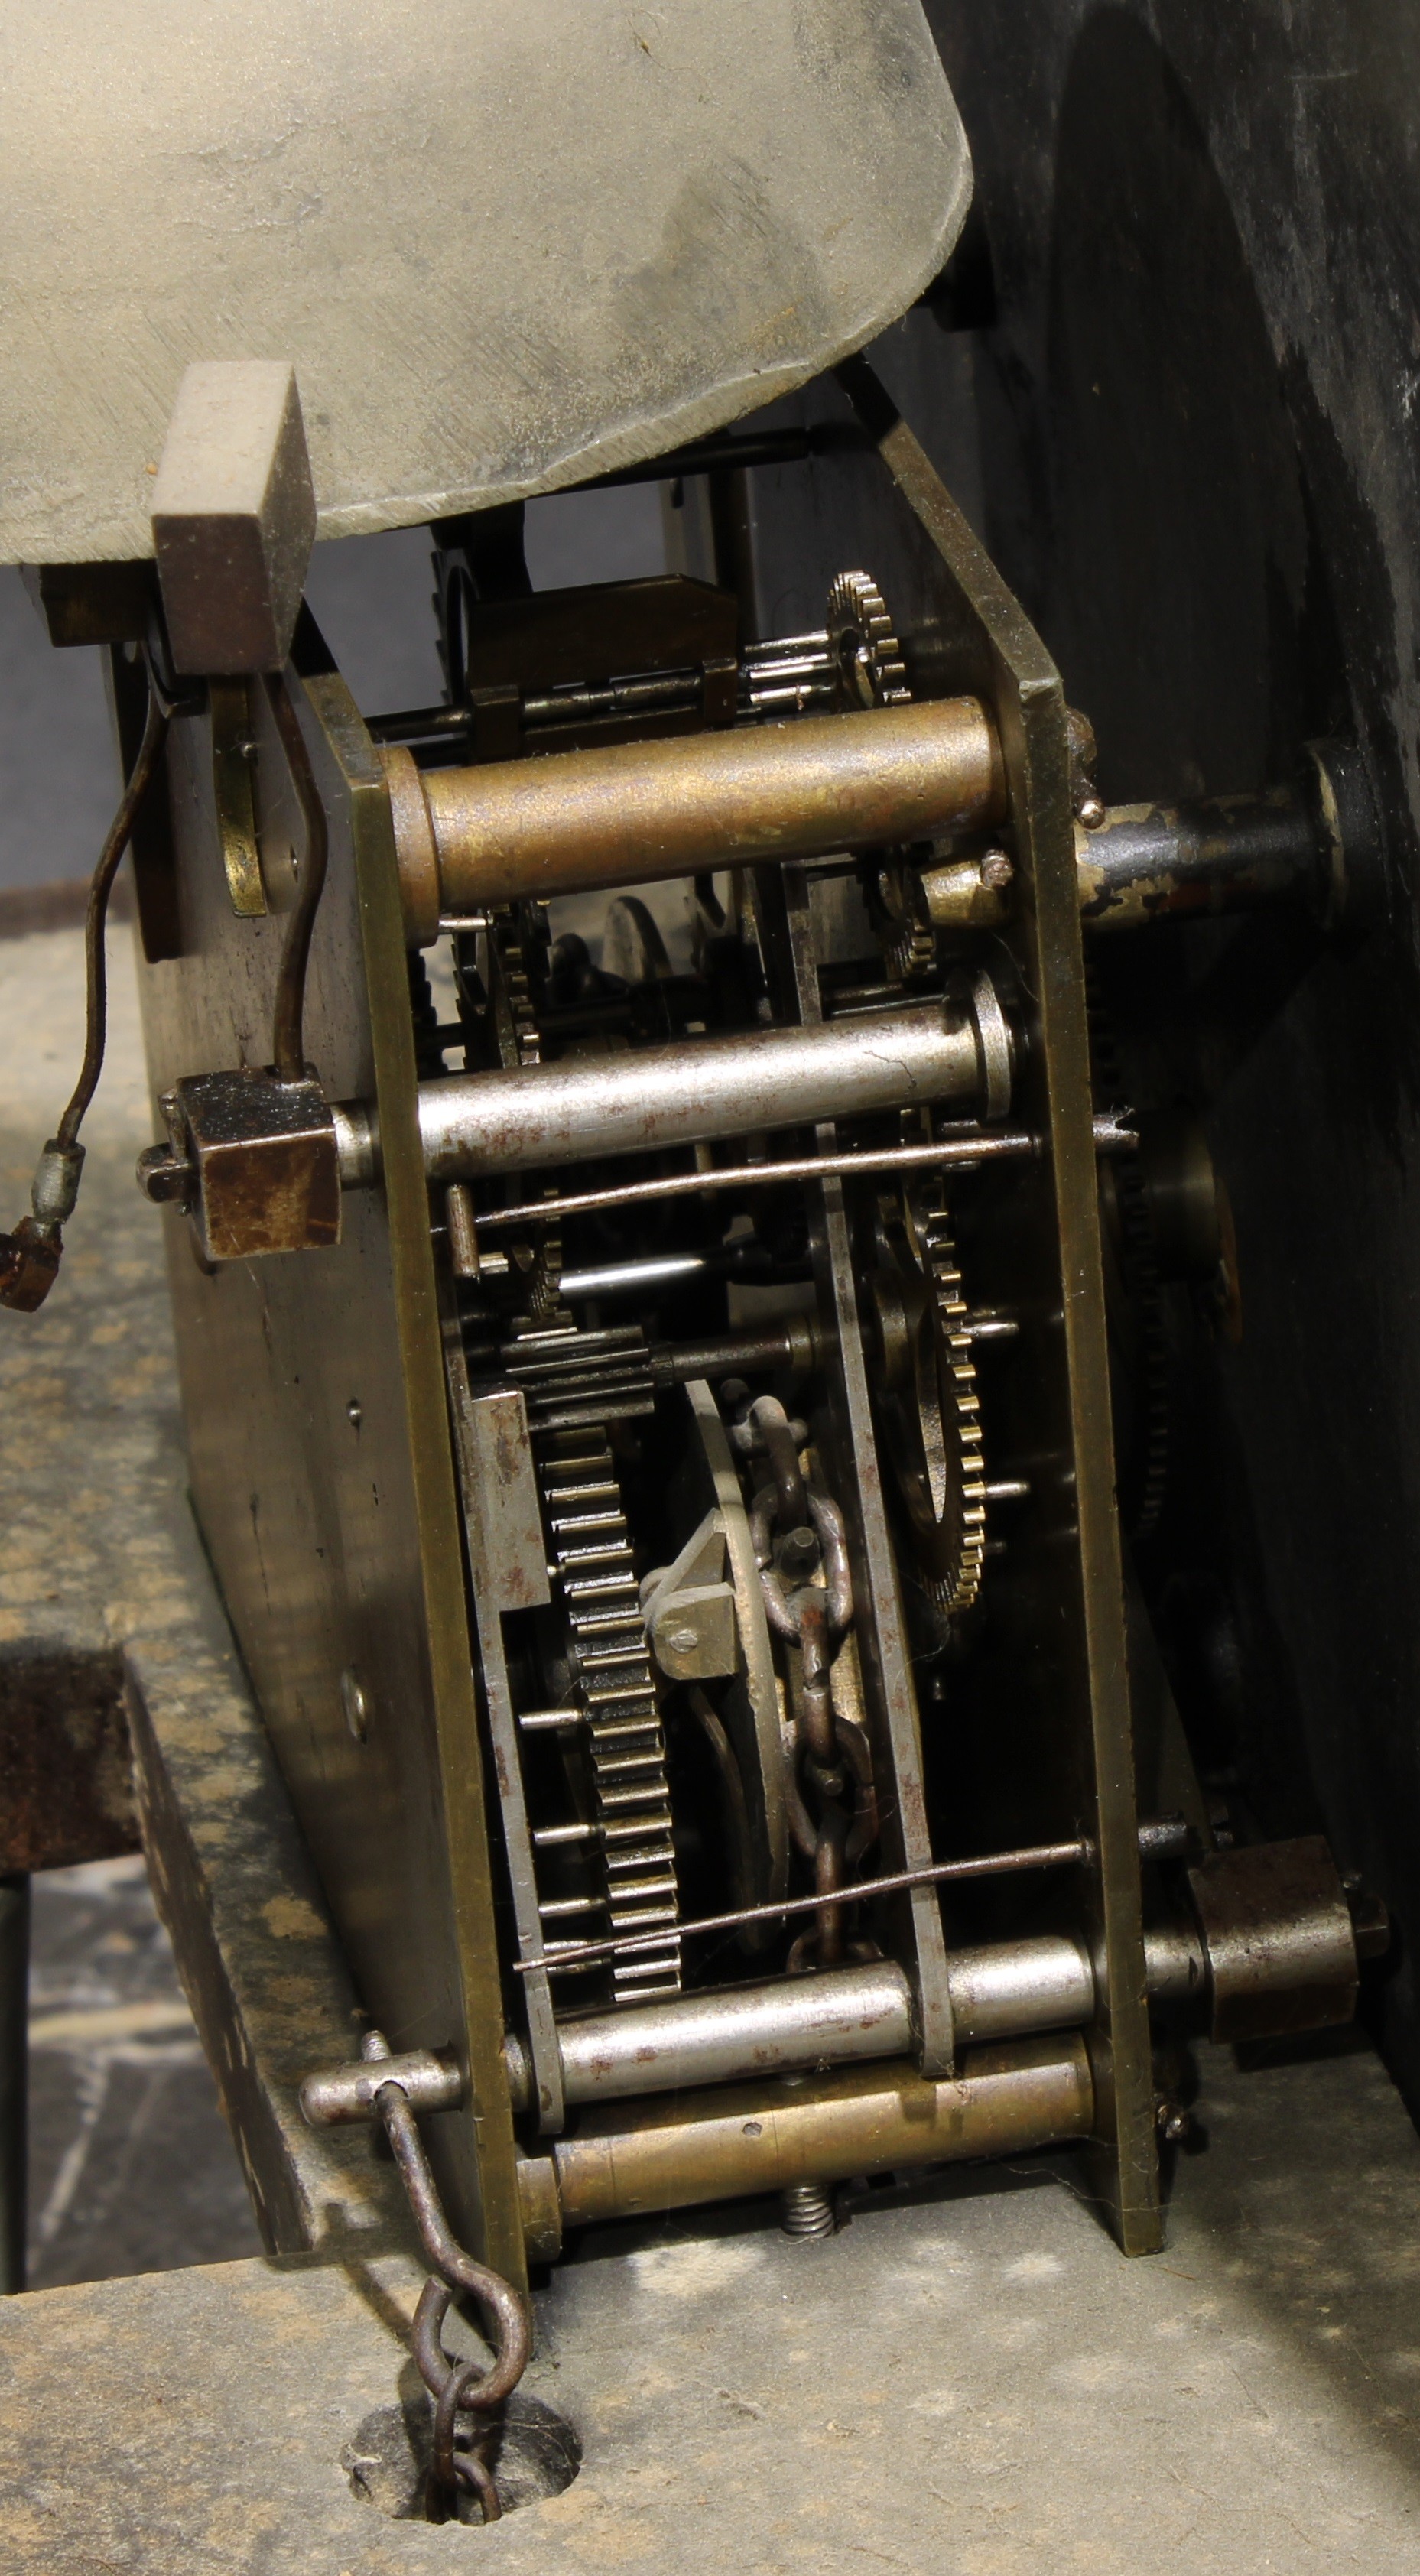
(729, 2143)
(1008, 1987)
(636, 812)
(785, 2024)
(1152, 862)
(778, 2027)
(653, 1097)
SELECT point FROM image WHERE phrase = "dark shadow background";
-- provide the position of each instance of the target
(370, 594)
(1198, 468)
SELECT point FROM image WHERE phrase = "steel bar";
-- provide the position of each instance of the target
(939, 1873)
(655, 1098)
(980, 1146)
(783, 2024)
(359, 1166)
(798, 1343)
(349, 2093)
(1164, 1838)
(628, 1278)
(1001, 1990)
(635, 813)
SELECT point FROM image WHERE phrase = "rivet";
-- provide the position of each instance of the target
(355, 1704)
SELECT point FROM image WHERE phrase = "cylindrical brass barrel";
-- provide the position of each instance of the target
(731, 2143)
(636, 812)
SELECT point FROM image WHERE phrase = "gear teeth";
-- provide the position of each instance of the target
(863, 648)
(955, 1593)
(520, 1044)
(591, 1549)
(866, 657)
(910, 951)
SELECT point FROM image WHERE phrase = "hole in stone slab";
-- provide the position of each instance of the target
(535, 2455)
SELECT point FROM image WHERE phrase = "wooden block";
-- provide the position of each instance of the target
(234, 517)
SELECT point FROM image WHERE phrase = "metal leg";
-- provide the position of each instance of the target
(14, 2051)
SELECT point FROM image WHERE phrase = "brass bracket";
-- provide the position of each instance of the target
(233, 752)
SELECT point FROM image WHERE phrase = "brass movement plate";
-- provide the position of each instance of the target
(320, 1453)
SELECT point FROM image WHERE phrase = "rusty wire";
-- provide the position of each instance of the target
(150, 749)
(288, 1044)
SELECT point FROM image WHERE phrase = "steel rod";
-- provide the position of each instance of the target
(977, 1145)
(1161, 1838)
(939, 1873)
(673, 2151)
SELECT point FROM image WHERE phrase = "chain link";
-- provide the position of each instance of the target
(801, 1548)
(457, 2387)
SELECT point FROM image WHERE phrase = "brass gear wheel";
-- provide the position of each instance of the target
(615, 1686)
(928, 1396)
(909, 944)
(510, 991)
(519, 1044)
(863, 651)
(866, 659)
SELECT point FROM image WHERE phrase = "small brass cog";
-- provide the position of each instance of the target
(863, 649)
(928, 1396)
(538, 1262)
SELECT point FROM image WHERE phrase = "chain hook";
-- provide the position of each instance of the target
(457, 2387)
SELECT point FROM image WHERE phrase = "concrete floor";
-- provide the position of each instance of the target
(132, 2168)
(967, 2381)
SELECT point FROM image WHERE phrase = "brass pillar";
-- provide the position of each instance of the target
(638, 812)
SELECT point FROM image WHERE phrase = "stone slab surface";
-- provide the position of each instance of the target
(964, 2381)
(504, 248)
(100, 1566)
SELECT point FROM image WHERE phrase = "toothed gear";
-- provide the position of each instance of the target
(908, 943)
(519, 1039)
(863, 650)
(866, 657)
(520, 1044)
(910, 951)
(928, 1391)
(616, 1690)
(956, 1591)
